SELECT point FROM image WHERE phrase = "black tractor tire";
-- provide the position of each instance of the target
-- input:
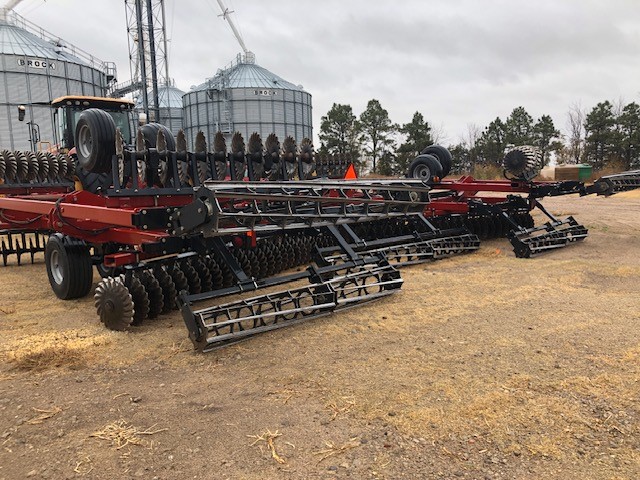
(92, 182)
(95, 140)
(69, 267)
(426, 168)
(150, 133)
(442, 154)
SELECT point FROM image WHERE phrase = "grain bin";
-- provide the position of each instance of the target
(247, 98)
(170, 111)
(35, 68)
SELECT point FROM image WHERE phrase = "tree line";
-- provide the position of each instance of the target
(608, 134)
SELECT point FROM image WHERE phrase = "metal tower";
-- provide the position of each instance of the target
(147, 36)
(226, 14)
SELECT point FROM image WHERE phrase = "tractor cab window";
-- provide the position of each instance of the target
(64, 136)
(123, 122)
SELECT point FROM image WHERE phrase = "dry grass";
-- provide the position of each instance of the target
(611, 168)
(487, 172)
(43, 415)
(268, 438)
(45, 358)
(69, 350)
(332, 449)
(121, 433)
(347, 403)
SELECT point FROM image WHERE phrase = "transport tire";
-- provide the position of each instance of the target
(150, 133)
(425, 167)
(95, 140)
(443, 155)
(69, 267)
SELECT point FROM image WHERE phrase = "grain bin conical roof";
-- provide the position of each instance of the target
(15, 40)
(246, 74)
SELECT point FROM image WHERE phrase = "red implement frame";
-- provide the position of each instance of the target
(466, 188)
(100, 219)
(93, 218)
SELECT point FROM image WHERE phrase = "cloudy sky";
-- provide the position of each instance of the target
(458, 62)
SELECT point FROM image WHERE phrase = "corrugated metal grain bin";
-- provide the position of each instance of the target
(170, 98)
(247, 98)
(36, 68)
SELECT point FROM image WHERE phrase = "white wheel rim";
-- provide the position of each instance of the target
(56, 267)
(422, 172)
(85, 142)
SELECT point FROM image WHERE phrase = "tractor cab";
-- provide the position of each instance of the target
(67, 110)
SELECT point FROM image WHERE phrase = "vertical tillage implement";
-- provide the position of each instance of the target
(173, 228)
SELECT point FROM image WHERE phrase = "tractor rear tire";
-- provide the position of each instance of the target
(425, 167)
(95, 140)
(443, 155)
(69, 267)
(150, 133)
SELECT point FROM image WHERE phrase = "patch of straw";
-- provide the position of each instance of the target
(332, 449)
(83, 467)
(48, 357)
(44, 415)
(121, 434)
(268, 437)
(338, 410)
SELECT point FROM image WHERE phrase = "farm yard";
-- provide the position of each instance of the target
(319, 240)
(482, 366)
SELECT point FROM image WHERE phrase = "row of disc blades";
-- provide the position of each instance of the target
(485, 226)
(128, 299)
(269, 160)
(35, 167)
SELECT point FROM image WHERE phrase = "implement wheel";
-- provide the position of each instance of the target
(68, 267)
(95, 140)
(150, 134)
(425, 167)
(442, 154)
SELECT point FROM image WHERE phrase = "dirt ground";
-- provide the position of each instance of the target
(484, 366)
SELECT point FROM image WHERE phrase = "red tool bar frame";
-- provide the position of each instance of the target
(84, 215)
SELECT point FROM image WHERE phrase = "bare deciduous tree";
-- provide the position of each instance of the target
(438, 134)
(575, 124)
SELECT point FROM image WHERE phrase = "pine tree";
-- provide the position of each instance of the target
(340, 132)
(629, 127)
(518, 128)
(462, 158)
(418, 137)
(492, 142)
(600, 140)
(377, 131)
(545, 132)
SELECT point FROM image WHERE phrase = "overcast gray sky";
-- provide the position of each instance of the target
(456, 61)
